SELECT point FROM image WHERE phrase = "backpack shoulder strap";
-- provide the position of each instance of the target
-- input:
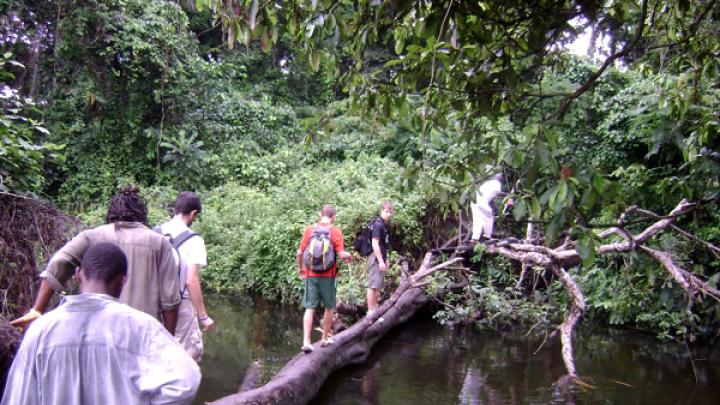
(158, 229)
(182, 238)
(322, 229)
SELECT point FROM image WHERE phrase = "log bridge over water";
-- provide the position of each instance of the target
(299, 381)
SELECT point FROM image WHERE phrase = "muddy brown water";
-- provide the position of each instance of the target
(424, 363)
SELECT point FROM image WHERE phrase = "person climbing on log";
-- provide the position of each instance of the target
(193, 255)
(482, 209)
(321, 244)
(152, 285)
(377, 263)
(94, 350)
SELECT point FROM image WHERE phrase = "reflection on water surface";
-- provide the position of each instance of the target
(423, 363)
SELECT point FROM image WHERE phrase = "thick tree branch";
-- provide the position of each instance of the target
(577, 307)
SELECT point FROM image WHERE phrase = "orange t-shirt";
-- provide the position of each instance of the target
(336, 238)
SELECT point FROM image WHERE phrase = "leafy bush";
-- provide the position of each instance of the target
(24, 152)
(491, 299)
(253, 235)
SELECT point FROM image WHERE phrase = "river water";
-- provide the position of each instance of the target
(424, 363)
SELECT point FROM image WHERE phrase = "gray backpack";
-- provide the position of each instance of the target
(176, 243)
(319, 255)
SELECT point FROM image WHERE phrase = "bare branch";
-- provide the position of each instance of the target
(426, 271)
(714, 249)
(667, 261)
(577, 307)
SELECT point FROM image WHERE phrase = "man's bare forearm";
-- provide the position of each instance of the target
(43, 296)
(193, 286)
(170, 320)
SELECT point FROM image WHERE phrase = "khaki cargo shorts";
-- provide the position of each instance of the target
(376, 278)
(187, 331)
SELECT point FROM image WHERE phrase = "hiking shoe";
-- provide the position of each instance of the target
(327, 342)
(307, 349)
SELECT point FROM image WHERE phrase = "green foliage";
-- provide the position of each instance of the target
(24, 151)
(491, 300)
(121, 71)
(442, 95)
(159, 201)
(641, 294)
(454, 75)
(184, 157)
(253, 235)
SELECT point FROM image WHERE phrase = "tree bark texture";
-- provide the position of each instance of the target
(577, 307)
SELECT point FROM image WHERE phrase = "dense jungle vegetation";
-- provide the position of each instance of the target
(271, 109)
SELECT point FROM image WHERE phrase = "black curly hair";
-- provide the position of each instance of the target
(104, 261)
(127, 206)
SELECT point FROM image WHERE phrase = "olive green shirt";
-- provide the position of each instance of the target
(152, 282)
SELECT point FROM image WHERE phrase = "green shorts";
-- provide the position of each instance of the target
(317, 289)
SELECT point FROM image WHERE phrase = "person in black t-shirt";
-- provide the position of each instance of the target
(377, 261)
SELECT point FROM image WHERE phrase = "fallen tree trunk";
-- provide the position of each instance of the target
(301, 378)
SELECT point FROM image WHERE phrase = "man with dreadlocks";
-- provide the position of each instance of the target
(152, 281)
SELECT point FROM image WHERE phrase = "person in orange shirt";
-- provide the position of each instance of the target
(321, 244)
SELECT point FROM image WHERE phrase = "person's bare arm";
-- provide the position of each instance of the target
(169, 318)
(193, 286)
(41, 302)
(345, 256)
(378, 254)
(301, 270)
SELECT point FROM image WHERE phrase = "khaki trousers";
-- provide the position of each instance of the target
(187, 331)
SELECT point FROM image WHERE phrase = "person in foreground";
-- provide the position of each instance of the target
(320, 244)
(94, 350)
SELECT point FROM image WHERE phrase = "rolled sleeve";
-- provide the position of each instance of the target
(63, 263)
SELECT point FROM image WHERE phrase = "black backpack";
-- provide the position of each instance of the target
(176, 243)
(319, 255)
(363, 239)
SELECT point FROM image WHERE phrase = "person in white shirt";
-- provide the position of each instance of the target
(92, 349)
(191, 248)
(482, 212)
